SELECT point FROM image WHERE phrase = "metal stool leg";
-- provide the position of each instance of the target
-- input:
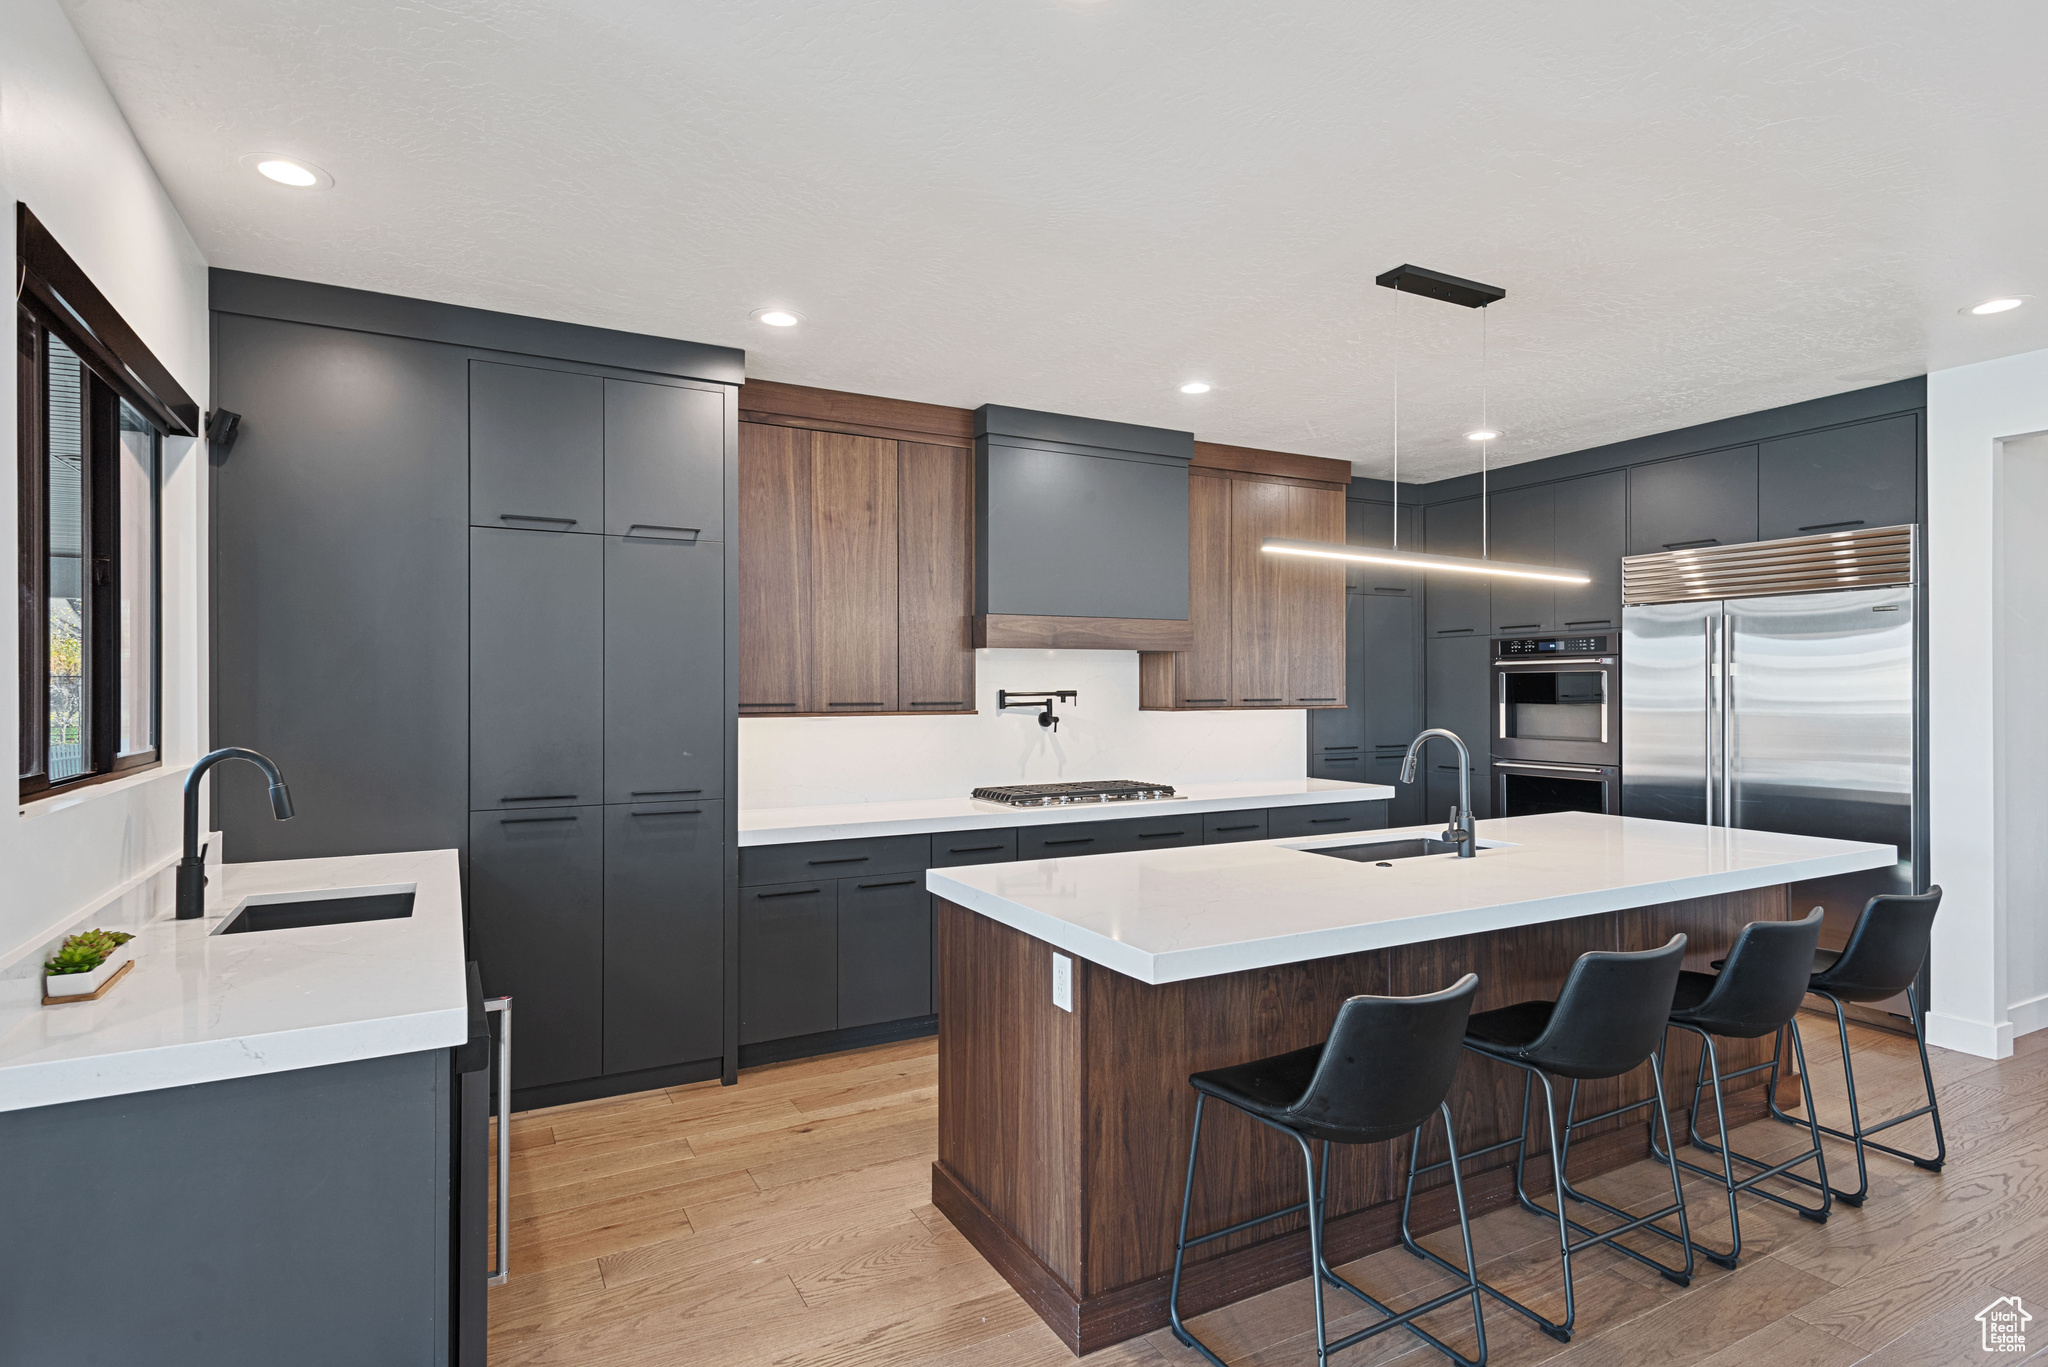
(1859, 1134)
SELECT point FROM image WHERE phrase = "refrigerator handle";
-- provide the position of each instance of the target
(1709, 656)
(1727, 710)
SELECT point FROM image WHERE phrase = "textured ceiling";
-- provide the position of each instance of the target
(1697, 209)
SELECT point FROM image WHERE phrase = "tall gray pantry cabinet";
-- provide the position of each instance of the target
(473, 588)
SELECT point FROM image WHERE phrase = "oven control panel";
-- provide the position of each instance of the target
(1552, 645)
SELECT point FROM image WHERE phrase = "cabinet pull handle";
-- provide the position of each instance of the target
(1331, 699)
(1592, 622)
(541, 797)
(1248, 826)
(1326, 820)
(950, 702)
(788, 892)
(1455, 631)
(1387, 588)
(1160, 835)
(1205, 700)
(662, 792)
(1688, 545)
(1077, 840)
(529, 820)
(1328, 748)
(898, 883)
(846, 859)
(1265, 700)
(853, 704)
(535, 517)
(1830, 526)
(631, 527)
(665, 811)
(973, 849)
(1521, 626)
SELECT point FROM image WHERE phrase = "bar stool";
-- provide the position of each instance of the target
(1609, 1020)
(1387, 1065)
(1883, 957)
(1756, 993)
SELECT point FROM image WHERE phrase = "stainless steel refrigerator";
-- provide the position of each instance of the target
(1777, 687)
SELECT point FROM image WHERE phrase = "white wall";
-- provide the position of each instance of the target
(67, 153)
(816, 761)
(1987, 810)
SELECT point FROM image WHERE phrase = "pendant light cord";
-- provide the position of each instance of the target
(1400, 337)
(1484, 552)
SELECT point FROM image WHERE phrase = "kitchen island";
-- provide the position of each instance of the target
(1076, 995)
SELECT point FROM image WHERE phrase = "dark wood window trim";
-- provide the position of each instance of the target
(119, 369)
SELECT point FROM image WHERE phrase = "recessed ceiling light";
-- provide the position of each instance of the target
(2000, 305)
(777, 318)
(300, 175)
(1482, 434)
(1194, 387)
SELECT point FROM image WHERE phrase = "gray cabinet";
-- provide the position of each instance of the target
(536, 672)
(1454, 604)
(1331, 818)
(1368, 523)
(1460, 673)
(1704, 500)
(536, 917)
(536, 448)
(885, 950)
(955, 848)
(664, 460)
(835, 859)
(1524, 528)
(1108, 837)
(1336, 735)
(664, 669)
(1390, 645)
(1591, 518)
(1864, 475)
(789, 960)
(664, 934)
(1224, 828)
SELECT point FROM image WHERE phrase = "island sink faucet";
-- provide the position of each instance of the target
(1459, 832)
(192, 868)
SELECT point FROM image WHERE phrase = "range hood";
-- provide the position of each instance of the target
(1080, 532)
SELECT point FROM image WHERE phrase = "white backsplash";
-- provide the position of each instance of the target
(819, 761)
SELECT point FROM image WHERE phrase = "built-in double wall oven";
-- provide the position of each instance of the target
(1556, 724)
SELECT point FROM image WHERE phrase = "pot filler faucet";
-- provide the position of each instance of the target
(192, 868)
(1459, 832)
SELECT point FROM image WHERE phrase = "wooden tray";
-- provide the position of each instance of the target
(94, 996)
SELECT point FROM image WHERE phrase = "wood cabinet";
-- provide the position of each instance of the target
(1268, 629)
(856, 574)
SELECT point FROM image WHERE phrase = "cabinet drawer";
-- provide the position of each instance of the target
(973, 847)
(835, 859)
(789, 960)
(1221, 828)
(1325, 819)
(885, 949)
(1108, 837)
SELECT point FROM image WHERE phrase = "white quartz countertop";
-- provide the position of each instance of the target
(201, 1007)
(1164, 916)
(792, 825)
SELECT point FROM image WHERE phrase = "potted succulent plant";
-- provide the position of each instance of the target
(85, 963)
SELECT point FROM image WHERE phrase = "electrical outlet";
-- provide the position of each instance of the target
(1063, 982)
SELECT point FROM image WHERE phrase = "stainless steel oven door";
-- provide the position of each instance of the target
(1530, 788)
(1565, 711)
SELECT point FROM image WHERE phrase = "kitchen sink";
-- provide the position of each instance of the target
(1386, 851)
(296, 911)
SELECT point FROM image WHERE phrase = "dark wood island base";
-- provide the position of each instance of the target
(1063, 1135)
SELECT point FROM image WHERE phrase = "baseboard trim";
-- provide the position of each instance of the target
(836, 1041)
(1985, 1039)
(613, 1084)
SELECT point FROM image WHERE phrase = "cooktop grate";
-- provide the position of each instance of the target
(1065, 794)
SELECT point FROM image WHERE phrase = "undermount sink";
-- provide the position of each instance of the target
(1386, 851)
(327, 907)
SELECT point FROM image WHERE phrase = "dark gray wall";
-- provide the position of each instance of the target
(299, 1217)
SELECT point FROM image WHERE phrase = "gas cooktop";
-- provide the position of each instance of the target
(1071, 794)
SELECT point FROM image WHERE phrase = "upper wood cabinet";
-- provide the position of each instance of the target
(1269, 629)
(855, 574)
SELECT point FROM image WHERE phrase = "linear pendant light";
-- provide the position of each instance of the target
(1472, 295)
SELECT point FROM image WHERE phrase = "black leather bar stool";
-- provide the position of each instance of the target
(1609, 1020)
(1387, 1065)
(1882, 959)
(1756, 993)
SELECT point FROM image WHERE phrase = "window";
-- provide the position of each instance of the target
(89, 456)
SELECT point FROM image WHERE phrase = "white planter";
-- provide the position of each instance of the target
(82, 984)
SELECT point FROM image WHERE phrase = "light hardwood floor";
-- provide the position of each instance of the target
(788, 1220)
